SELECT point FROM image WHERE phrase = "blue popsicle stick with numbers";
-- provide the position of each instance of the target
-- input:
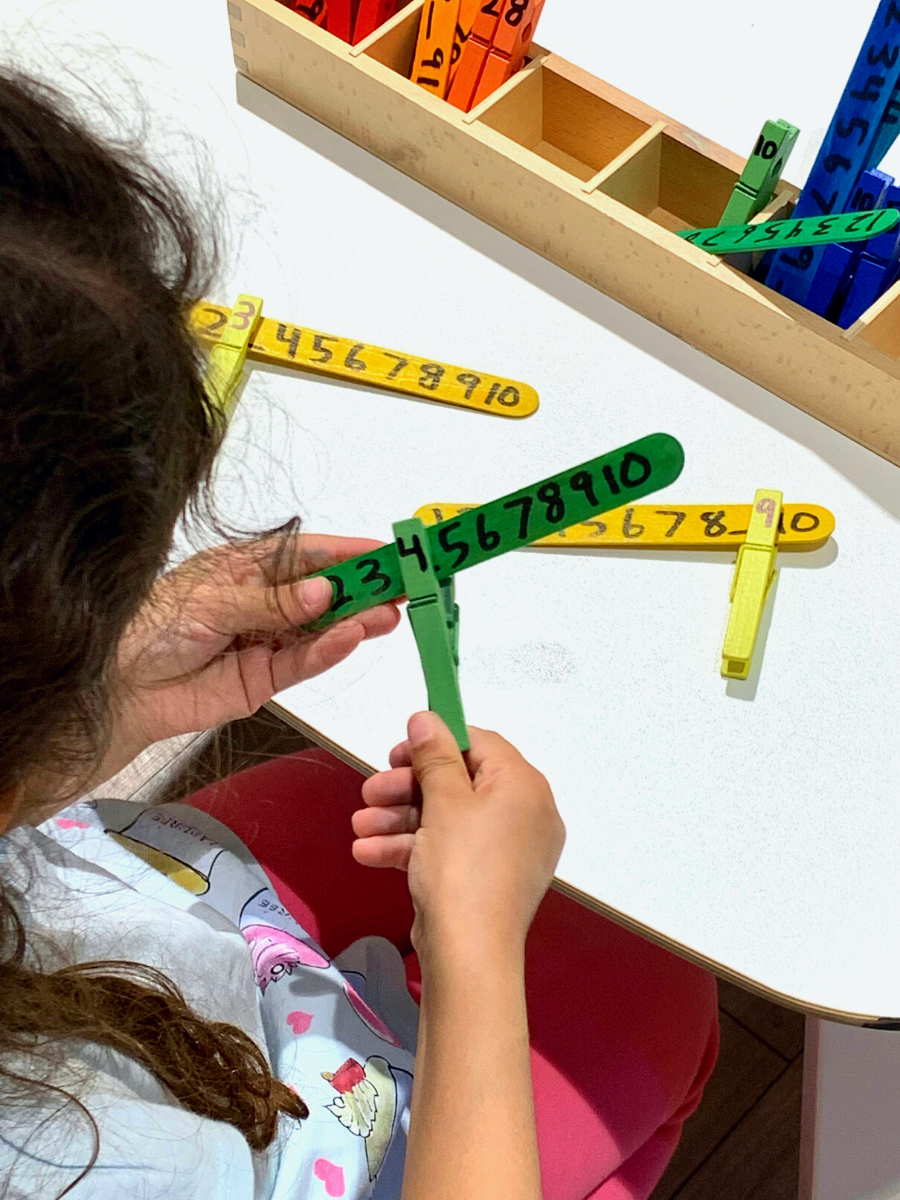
(509, 523)
(848, 146)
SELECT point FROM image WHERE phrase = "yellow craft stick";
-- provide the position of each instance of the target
(306, 349)
(753, 576)
(676, 527)
(434, 46)
(227, 357)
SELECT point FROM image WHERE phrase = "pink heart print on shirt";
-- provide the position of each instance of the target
(299, 1021)
(69, 823)
(331, 1176)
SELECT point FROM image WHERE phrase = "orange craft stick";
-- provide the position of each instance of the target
(340, 19)
(314, 10)
(371, 14)
(468, 11)
(434, 47)
(510, 47)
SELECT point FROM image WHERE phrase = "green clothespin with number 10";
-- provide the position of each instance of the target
(434, 616)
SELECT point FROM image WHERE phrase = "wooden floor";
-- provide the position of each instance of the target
(743, 1141)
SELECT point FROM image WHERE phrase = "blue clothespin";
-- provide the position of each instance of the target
(834, 277)
(876, 270)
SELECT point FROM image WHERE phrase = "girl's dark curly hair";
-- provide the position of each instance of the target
(106, 435)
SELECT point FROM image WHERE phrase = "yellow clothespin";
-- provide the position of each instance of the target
(227, 357)
(753, 576)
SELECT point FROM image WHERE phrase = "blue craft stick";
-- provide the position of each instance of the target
(848, 146)
(835, 274)
(888, 128)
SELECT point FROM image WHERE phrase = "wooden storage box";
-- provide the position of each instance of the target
(595, 181)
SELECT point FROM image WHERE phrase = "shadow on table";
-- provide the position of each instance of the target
(872, 474)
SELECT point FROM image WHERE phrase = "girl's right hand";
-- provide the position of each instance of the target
(480, 838)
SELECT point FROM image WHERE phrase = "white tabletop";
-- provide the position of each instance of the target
(756, 824)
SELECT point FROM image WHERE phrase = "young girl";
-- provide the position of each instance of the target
(219, 999)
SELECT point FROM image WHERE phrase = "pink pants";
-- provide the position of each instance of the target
(624, 1035)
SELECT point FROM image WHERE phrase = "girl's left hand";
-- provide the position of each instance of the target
(220, 635)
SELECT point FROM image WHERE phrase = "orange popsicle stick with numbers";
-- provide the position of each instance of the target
(434, 48)
(340, 19)
(314, 10)
(474, 55)
(510, 45)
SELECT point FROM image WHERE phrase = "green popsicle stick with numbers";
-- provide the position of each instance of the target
(805, 231)
(506, 524)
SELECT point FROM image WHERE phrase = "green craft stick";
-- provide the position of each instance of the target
(513, 521)
(807, 231)
(433, 617)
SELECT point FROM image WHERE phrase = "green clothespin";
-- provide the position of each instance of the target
(434, 616)
(761, 176)
(228, 355)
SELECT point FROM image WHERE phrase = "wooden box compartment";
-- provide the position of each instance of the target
(597, 182)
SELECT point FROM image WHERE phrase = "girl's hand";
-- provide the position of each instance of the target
(480, 839)
(220, 635)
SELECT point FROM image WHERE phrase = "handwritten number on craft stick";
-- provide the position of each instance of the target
(374, 575)
(461, 548)
(798, 517)
(415, 551)
(432, 374)
(488, 539)
(550, 495)
(401, 363)
(713, 521)
(340, 596)
(469, 382)
(325, 355)
(525, 503)
(220, 321)
(292, 342)
(351, 361)
(629, 528)
(672, 512)
(583, 481)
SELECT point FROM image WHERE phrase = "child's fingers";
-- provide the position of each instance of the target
(397, 818)
(399, 756)
(391, 787)
(385, 851)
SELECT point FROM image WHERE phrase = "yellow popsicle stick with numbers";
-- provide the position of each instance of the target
(307, 349)
(227, 357)
(677, 527)
(754, 574)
